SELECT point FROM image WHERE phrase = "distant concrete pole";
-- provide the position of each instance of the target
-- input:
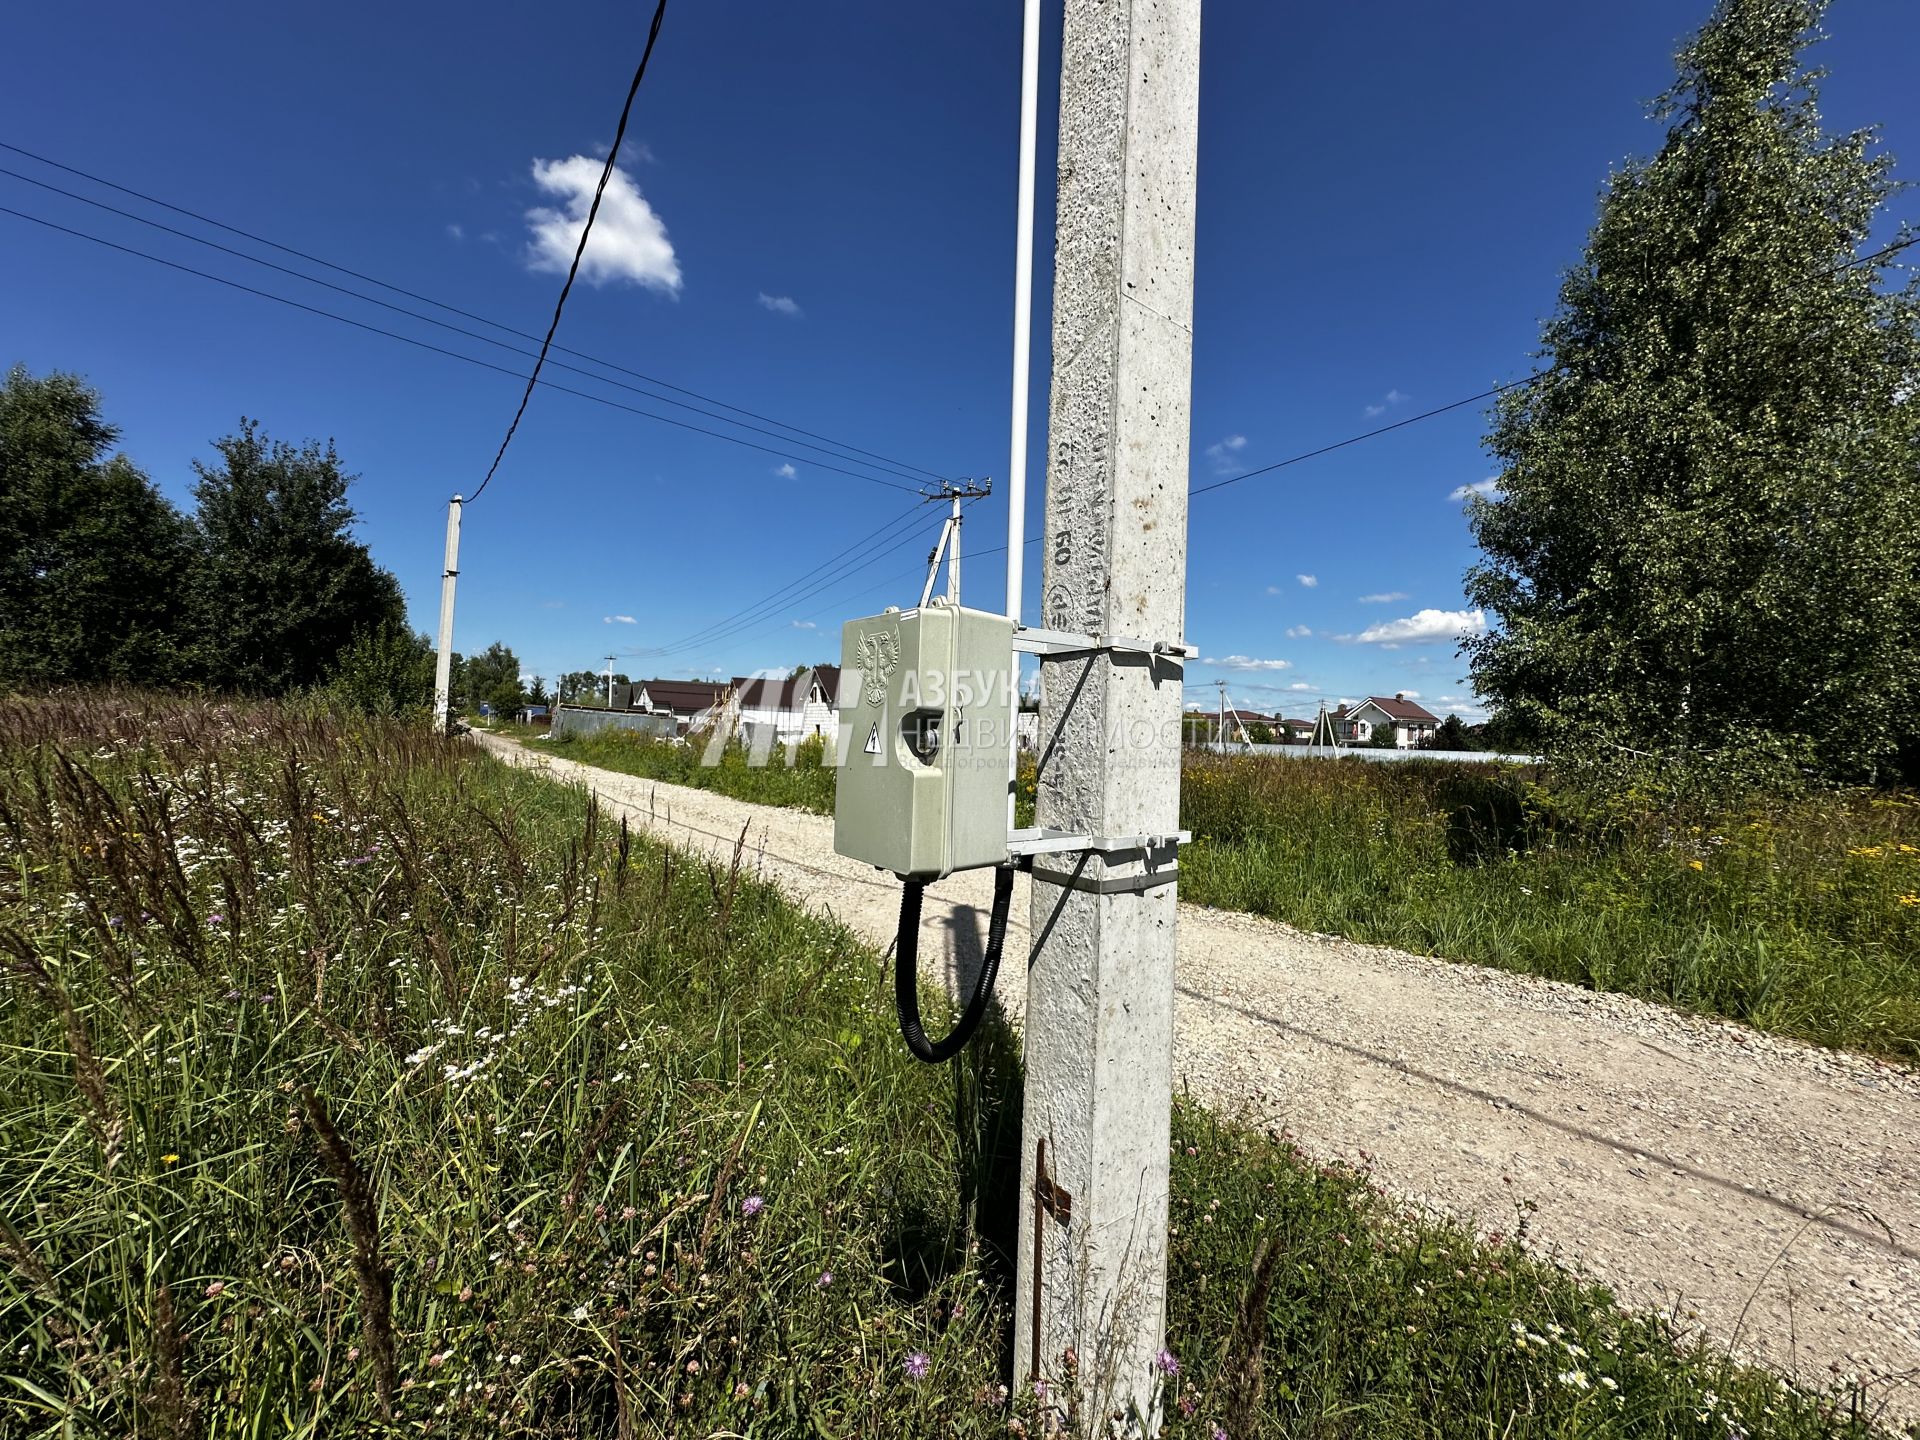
(443, 661)
(1099, 1021)
(953, 556)
(609, 682)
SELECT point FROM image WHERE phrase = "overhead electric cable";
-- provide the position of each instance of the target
(866, 557)
(606, 174)
(777, 595)
(442, 350)
(446, 324)
(450, 308)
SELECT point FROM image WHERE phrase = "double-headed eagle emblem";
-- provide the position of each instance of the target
(879, 656)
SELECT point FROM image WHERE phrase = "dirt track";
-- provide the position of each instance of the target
(1769, 1187)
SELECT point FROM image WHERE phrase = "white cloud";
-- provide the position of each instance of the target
(1308, 580)
(805, 625)
(1298, 632)
(1383, 597)
(629, 242)
(1425, 627)
(1386, 403)
(785, 472)
(1224, 453)
(1489, 487)
(782, 305)
(1299, 685)
(618, 620)
(1247, 662)
(456, 232)
(1411, 694)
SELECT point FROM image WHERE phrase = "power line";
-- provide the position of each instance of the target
(441, 324)
(442, 350)
(1885, 250)
(706, 630)
(606, 174)
(442, 305)
(870, 553)
(1367, 435)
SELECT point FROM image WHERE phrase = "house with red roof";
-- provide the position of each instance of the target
(1412, 724)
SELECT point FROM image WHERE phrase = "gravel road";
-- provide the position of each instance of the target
(1765, 1191)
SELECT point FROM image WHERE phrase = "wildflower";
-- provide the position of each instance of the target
(917, 1363)
(826, 1279)
(1910, 899)
(1695, 865)
(215, 1288)
(740, 1391)
(1576, 1378)
(438, 1359)
(169, 1159)
(752, 1206)
(1219, 1433)
(1166, 1362)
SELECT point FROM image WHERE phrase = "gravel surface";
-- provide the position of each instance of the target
(1762, 1190)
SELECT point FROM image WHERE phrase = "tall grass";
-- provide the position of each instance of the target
(352, 1084)
(1800, 917)
(797, 776)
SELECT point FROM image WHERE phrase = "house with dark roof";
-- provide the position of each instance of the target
(692, 703)
(797, 707)
(1412, 724)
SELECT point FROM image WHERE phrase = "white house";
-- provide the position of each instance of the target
(796, 708)
(692, 703)
(1412, 724)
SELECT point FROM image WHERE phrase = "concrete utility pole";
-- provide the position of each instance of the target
(1099, 1022)
(610, 660)
(443, 661)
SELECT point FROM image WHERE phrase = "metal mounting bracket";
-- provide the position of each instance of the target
(1042, 841)
(1032, 640)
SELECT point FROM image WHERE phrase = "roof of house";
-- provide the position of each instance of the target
(682, 696)
(1398, 707)
(1250, 717)
(784, 694)
(1296, 724)
(829, 678)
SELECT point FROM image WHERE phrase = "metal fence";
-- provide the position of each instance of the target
(1366, 752)
(578, 720)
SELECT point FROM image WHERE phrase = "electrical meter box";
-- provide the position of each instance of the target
(926, 740)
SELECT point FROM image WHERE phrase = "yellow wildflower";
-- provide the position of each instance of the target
(169, 1159)
(1870, 851)
(1695, 865)
(1910, 899)
(1910, 849)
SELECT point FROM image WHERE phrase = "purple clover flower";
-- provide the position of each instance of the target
(752, 1206)
(917, 1363)
(1166, 1362)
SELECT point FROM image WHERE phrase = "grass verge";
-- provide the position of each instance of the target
(351, 1083)
(1800, 917)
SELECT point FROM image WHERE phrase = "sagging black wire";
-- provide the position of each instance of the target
(906, 971)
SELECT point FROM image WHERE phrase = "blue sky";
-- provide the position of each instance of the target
(816, 223)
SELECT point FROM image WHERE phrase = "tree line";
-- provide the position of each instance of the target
(262, 589)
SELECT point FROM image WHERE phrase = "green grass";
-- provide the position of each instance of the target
(346, 1074)
(797, 776)
(1799, 917)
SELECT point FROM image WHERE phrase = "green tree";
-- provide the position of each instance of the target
(1384, 736)
(1708, 534)
(385, 671)
(537, 694)
(283, 587)
(93, 559)
(1451, 734)
(1260, 733)
(493, 677)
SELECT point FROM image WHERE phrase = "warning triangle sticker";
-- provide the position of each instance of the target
(873, 741)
